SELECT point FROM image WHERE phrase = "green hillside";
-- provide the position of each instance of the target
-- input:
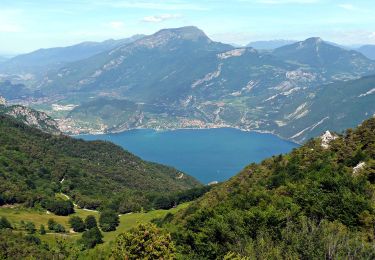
(314, 203)
(35, 165)
(17, 244)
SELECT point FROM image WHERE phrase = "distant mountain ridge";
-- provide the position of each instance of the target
(42, 60)
(317, 53)
(368, 51)
(3, 59)
(13, 91)
(179, 77)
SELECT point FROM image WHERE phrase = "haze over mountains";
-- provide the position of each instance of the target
(3, 59)
(42, 60)
(368, 51)
(179, 78)
(269, 45)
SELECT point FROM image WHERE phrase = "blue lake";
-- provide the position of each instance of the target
(207, 154)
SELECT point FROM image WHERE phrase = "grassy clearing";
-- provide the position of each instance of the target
(38, 217)
(129, 221)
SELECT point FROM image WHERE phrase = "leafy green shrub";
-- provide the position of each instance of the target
(30, 227)
(77, 224)
(91, 238)
(108, 220)
(18, 246)
(42, 230)
(90, 222)
(4, 223)
(54, 226)
(146, 241)
(59, 207)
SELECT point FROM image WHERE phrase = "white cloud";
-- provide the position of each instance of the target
(155, 5)
(348, 7)
(117, 25)
(9, 21)
(351, 37)
(160, 18)
(9, 28)
(280, 2)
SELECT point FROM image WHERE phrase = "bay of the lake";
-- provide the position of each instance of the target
(207, 154)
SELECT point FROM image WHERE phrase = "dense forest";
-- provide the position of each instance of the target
(314, 203)
(35, 166)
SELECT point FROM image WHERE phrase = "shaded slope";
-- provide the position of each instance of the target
(35, 165)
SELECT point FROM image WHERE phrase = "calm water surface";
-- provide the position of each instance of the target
(207, 154)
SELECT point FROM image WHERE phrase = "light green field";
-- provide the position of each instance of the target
(127, 221)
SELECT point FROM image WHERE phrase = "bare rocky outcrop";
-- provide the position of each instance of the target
(2, 101)
(326, 138)
(32, 118)
(358, 167)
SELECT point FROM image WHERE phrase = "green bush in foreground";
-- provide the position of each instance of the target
(77, 224)
(30, 227)
(42, 230)
(146, 241)
(109, 220)
(18, 246)
(90, 222)
(91, 238)
(4, 223)
(54, 226)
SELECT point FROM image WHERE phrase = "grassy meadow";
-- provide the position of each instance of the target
(127, 221)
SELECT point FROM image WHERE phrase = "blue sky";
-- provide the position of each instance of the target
(26, 25)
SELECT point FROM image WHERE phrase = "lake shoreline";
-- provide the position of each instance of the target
(187, 128)
(208, 154)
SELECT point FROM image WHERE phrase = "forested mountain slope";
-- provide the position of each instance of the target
(316, 202)
(35, 165)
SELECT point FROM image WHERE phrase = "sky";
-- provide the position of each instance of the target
(27, 25)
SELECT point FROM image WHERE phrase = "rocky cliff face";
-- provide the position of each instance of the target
(30, 117)
(2, 101)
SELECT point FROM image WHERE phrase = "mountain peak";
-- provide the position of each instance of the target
(187, 33)
(314, 40)
(310, 43)
(165, 36)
